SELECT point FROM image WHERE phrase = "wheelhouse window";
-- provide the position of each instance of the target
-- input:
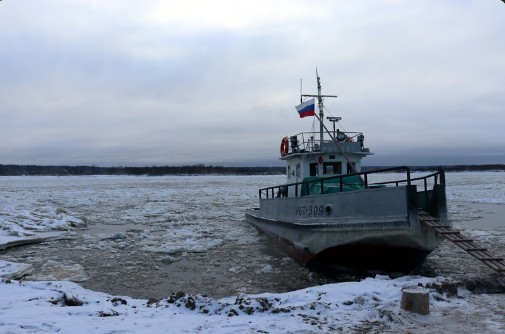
(332, 168)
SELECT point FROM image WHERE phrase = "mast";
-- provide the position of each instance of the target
(321, 109)
(320, 105)
(322, 127)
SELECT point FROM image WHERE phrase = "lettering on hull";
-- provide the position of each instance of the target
(310, 210)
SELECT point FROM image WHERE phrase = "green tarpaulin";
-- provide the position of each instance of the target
(312, 185)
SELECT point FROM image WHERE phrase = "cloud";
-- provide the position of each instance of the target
(160, 82)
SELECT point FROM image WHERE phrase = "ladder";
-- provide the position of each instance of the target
(481, 254)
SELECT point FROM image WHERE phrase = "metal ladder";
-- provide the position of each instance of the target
(481, 254)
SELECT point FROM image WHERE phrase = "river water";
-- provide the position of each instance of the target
(148, 237)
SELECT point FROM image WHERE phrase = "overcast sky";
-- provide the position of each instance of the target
(123, 82)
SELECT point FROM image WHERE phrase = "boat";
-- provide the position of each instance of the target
(330, 214)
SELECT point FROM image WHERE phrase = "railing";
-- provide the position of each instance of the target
(283, 190)
(426, 193)
(438, 174)
(309, 141)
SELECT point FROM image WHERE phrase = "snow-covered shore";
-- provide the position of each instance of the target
(371, 306)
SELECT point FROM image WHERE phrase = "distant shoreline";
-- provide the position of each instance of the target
(200, 169)
(449, 168)
(20, 170)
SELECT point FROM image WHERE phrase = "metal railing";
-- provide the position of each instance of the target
(438, 174)
(283, 190)
(309, 141)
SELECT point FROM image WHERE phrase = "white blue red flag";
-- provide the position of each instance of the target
(307, 108)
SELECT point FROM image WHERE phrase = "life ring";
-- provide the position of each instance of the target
(284, 146)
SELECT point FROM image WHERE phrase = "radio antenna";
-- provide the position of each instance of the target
(301, 90)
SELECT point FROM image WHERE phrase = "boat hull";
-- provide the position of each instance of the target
(369, 229)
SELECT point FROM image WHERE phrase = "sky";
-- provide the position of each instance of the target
(123, 82)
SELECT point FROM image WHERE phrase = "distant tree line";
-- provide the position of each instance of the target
(449, 168)
(200, 169)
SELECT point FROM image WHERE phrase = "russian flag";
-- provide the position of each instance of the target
(307, 108)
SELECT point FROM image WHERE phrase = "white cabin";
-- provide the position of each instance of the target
(307, 156)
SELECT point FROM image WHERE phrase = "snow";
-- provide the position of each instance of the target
(14, 270)
(179, 240)
(19, 226)
(372, 305)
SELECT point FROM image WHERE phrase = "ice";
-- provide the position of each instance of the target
(180, 218)
(26, 219)
(173, 219)
(118, 236)
(266, 268)
(182, 240)
(54, 270)
(477, 187)
(14, 270)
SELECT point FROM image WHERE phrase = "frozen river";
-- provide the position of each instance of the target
(147, 237)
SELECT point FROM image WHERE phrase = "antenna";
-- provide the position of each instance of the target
(301, 101)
